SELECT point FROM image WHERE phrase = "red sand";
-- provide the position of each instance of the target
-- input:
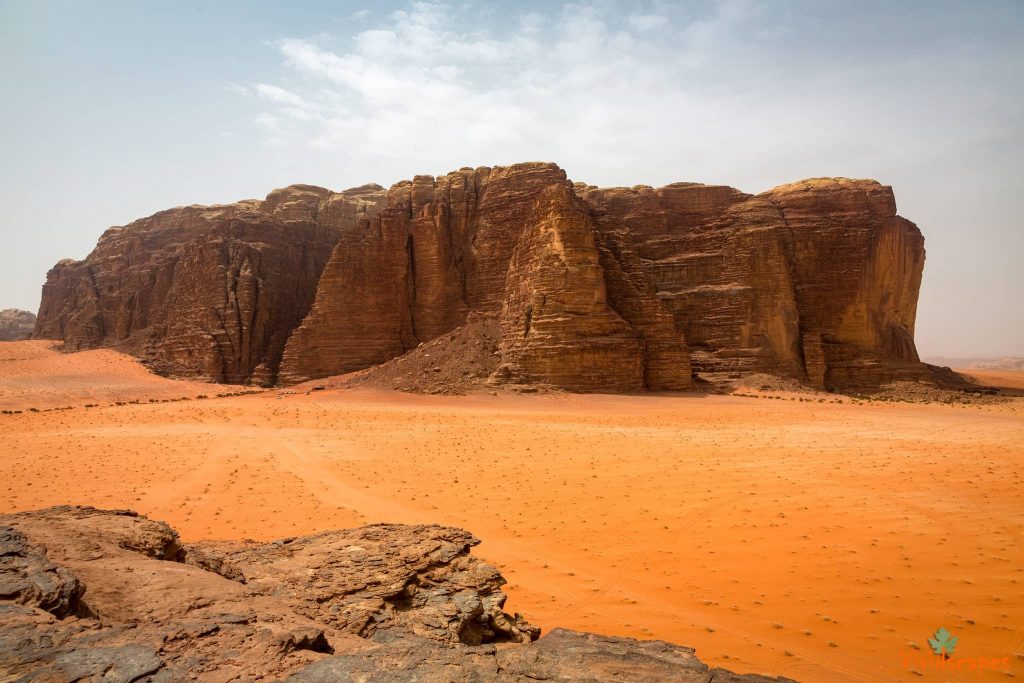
(1007, 379)
(34, 375)
(819, 541)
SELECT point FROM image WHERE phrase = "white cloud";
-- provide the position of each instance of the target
(667, 94)
(420, 85)
(279, 95)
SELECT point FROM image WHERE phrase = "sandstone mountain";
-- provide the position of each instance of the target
(594, 289)
(94, 595)
(16, 325)
(204, 291)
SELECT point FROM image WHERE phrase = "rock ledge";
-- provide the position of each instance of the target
(109, 595)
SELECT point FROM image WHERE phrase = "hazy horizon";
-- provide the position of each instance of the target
(126, 109)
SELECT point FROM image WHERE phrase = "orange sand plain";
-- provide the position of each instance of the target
(820, 541)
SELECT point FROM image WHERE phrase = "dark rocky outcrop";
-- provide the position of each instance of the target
(88, 594)
(613, 289)
(16, 325)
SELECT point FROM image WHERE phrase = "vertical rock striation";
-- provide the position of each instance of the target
(211, 292)
(857, 270)
(516, 241)
(817, 280)
(596, 289)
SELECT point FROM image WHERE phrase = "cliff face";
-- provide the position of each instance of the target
(617, 289)
(211, 292)
(857, 268)
(440, 249)
(514, 241)
(817, 280)
(16, 325)
(720, 262)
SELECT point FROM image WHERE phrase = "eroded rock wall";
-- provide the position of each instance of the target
(817, 280)
(576, 310)
(857, 270)
(440, 249)
(597, 289)
(209, 292)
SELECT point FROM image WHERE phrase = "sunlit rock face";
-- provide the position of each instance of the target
(596, 289)
(816, 280)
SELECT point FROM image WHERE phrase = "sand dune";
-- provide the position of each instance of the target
(35, 374)
(1008, 379)
(821, 541)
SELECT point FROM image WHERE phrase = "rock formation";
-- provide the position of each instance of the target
(614, 289)
(514, 241)
(16, 325)
(208, 292)
(94, 595)
(816, 280)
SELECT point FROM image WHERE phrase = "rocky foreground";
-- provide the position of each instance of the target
(592, 289)
(109, 595)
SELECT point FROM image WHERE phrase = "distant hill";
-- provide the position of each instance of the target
(1004, 363)
(16, 325)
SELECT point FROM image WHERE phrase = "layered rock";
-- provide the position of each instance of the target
(420, 579)
(514, 241)
(614, 289)
(817, 280)
(440, 249)
(209, 292)
(89, 594)
(857, 270)
(719, 261)
(16, 325)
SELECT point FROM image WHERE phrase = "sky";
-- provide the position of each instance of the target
(115, 110)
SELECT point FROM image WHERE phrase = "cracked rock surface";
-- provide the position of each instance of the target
(109, 595)
(384, 576)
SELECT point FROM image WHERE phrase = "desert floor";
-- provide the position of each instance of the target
(820, 541)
